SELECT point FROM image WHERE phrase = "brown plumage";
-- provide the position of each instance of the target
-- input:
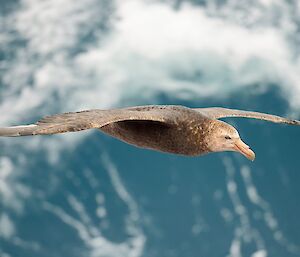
(173, 129)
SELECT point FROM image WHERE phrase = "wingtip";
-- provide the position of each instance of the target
(16, 131)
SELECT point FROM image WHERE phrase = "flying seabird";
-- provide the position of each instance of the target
(165, 128)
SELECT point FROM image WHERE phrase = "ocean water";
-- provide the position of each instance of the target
(86, 194)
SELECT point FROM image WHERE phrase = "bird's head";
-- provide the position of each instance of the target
(224, 137)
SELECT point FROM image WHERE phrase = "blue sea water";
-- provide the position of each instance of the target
(86, 194)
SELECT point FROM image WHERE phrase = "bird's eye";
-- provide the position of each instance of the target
(227, 137)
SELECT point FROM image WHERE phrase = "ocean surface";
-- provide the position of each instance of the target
(88, 195)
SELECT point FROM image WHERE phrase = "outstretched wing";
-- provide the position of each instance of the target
(77, 121)
(217, 112)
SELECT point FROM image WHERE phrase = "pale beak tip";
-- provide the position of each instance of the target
(245, 150)
(249, 154)
(252, 158)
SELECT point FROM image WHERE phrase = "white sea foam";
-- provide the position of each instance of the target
(90, 233)
(244, 232)
(12, 196)
(268, 215)
(7, 228)
(260, 253)
(235, 248)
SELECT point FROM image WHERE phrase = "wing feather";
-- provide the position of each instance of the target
(218, 112)
(77, 121)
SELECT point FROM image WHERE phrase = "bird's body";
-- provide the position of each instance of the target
(183, 134)
(166, 128)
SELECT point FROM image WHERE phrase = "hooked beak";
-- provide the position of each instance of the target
(244, 149)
